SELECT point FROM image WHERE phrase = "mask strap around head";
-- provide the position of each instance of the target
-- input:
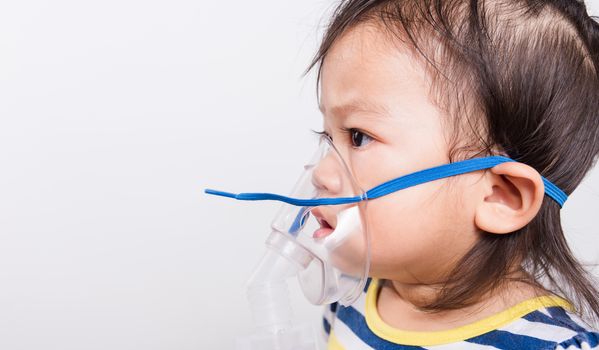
(399, 183)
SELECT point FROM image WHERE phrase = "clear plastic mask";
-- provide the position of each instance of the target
(331, 241)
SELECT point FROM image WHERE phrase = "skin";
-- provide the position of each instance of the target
(417, 234)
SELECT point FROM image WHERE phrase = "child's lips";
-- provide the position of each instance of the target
(325, 228)
(323, 231)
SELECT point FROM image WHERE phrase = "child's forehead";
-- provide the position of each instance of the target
(363, 72)
(357, 105)
(364, 42)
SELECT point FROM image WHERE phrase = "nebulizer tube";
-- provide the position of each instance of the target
(269, 301)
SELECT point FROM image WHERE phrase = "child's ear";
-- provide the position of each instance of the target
(513, 196)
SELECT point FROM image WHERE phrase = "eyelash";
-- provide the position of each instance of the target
(348, 131)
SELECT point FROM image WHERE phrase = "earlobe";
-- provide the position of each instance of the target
(512, 197)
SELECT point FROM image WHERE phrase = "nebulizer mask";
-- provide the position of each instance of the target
(314, 237)
(320, 236)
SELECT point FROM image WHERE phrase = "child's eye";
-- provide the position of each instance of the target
(358, 138)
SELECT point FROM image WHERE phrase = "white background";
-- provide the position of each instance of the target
(115, 115)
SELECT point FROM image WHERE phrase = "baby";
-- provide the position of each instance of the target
(479, 260)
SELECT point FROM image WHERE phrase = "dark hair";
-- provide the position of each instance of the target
(524, 76)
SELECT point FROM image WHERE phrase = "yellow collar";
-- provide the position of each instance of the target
(397, 336)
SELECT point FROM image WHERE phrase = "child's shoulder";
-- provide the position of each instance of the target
(540, 323)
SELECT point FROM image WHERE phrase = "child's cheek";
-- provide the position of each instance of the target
(413, 233)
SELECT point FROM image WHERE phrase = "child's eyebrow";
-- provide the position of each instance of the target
(357, 105)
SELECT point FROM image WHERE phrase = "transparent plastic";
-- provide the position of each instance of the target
(330, 242)
(325, 247)
(268, 296)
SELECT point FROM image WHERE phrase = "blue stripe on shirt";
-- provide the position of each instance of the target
(589, 338)
(539, 317)
(333, 307)
(356, 322)
(326, 325)
(509, 341)
(560, 314)
(367, 285)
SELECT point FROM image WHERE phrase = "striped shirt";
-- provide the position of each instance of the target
(540, 323)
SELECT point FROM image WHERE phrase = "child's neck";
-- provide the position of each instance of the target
(398, 304)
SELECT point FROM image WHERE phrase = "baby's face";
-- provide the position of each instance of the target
(416, 233)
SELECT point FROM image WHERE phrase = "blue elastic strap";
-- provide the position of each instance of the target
(400, 183)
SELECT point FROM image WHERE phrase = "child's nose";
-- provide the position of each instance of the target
(327, 175)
